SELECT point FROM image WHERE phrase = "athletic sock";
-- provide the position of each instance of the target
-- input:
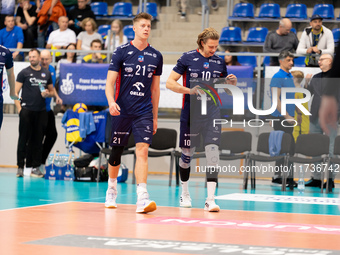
(211, 188)
(112, 182)
(185, 187)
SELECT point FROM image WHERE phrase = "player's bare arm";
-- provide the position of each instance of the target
(109, 92)
(173, 85)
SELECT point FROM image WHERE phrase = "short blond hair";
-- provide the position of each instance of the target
(93, 23)
(298, 75)
(142, 15)
(208, 33)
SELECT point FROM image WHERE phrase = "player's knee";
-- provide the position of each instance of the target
(115, 156)
(186, 157)
(213, 155)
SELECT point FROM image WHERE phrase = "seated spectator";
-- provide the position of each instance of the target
(95, 57)
(120, 38)
(68, 58)
(61, 37)
(231, 60)
(86, 37)
(69, 4)
(78, 14)
(7, 8)
(314, 41)
(12, 37)
(26, 19)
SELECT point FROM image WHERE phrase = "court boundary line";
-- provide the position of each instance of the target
(32, 206)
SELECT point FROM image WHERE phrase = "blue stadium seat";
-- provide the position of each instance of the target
(266, 61)
(151, 8)
(296, 11)
(99, 8)
(269, 11)
(293, 30)
(247, 60)
(243, 10)
(103, 30)
(326, 11)
(299, 62)
(128, 31)
(257, 34)
(336, 34)
(230, 34)
(122, 9)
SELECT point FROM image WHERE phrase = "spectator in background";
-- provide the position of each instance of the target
(120, 38)
(69, 4)
(78, 14)
(95, 57)
(86, 37)
(182, 8)
(36, 84)
(315, 40)
(279, 40)
(49, 12)
(61, 37)
(231, 60)
(68, 58)
(12, 37)
(316, 88)
(303, 121)
(26, 19)
(7, 7)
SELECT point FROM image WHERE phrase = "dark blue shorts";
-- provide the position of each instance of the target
(140, 126)
(201, 129)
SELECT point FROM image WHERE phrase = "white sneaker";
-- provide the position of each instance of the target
(185, 200)
(144, 204)
(211, 206)
(111, 195)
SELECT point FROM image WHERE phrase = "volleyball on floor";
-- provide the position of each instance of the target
(79, 107)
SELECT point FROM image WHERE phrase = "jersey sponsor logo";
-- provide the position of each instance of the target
(148, 53)
(4, 53)
(130, 52)
(194, 75)
(195, 59)
(154, 55)
(215, 139)
(149, 75)
(43, 75)
(140, 58)
(128, 69)
(152, 66)
(67, 86)
(128, 64)
(128, 75)
(138, 85)
(206, 65)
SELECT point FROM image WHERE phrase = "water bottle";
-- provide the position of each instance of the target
(41, 87)
(301, 182)
(49, 160)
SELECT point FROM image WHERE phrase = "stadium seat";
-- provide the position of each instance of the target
(257, 34)
(293, 30)
(269, 11)
(299, 62)
(230, 34)
(128, 32)
(336, 34)
(296, 11)
(122, 9)
(247, 60)
(151, 8)
(99, 8)
(326, 11)
(243, 10)
(103, 30)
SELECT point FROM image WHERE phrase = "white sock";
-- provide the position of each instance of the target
(211, 188)
(141, 188)
(112, 182)
(185, 187)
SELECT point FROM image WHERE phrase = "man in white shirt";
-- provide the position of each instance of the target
(61, 37)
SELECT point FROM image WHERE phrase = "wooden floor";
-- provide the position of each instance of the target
(27, 230)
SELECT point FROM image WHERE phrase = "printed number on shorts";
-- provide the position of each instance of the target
(187, 142)
(116, 140)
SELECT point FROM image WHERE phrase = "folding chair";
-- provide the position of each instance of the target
(296, 11)
(243, 10)
(333, 160)
(269, 11)
(263, 147)
(326, 11)
(312, 145)
(236, 145)
(230, 34)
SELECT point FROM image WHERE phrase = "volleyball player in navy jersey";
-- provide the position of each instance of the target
(200, 68)
(134, 76)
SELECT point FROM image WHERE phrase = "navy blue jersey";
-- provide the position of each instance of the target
(136, 69)
(6, 60)
(199, 70)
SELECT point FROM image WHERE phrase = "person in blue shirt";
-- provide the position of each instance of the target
(283, 79)
(6, 60)
(132, 91)
(200, 69)
(12, 37)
